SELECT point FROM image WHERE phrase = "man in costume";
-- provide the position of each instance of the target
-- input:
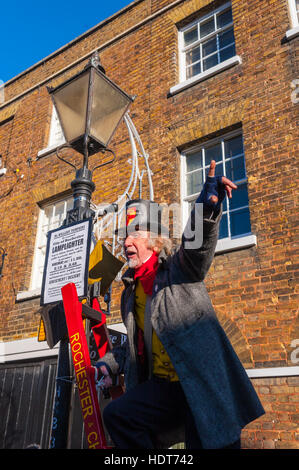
(180, 369)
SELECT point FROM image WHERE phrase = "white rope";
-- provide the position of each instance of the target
(145, 156)
(103, 222)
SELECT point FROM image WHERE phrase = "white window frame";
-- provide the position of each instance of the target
(41, 241)
(294, 14)
(224, 244)
(56, 136)
(184, 82)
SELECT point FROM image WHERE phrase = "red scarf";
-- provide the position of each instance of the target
(147, 273)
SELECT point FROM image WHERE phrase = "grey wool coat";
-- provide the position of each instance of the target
(217, 388)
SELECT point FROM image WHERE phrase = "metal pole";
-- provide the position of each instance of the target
(83, 187)
(59, 431)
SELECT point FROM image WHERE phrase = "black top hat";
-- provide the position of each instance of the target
(145, 215)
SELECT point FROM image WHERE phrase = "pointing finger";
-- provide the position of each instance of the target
(228, 190)
(228, 182)
(212, 168)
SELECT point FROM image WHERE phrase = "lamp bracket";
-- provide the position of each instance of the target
(105, 163)
(62, 159)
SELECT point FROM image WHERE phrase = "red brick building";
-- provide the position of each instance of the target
(212, 79)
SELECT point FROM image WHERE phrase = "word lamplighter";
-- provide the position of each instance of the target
(89, 107)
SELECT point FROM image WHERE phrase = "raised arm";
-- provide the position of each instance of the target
(197, 250)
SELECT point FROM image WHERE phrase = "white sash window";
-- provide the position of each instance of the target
(51, 216)
(228, 152)
(206, 43)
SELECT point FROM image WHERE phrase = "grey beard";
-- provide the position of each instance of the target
(132, 263)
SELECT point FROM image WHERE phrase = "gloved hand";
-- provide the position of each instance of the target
(214, 189)
(103, 379)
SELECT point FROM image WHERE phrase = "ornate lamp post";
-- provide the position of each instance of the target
(89, 107)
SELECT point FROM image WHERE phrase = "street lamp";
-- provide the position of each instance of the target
(90, 107)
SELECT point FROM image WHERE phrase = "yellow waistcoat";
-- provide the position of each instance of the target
(162, 366)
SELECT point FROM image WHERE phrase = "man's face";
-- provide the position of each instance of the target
(136, 248)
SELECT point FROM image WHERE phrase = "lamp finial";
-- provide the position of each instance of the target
(96, 62)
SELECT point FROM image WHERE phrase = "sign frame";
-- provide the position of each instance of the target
(84, 269)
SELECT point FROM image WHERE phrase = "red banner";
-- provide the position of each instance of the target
(93, 424)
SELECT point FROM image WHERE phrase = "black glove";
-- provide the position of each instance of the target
(212, 187)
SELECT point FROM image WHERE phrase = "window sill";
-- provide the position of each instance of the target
(227, 244)
(205, 75)
(46, 151)
(28, 295)
(292, 33)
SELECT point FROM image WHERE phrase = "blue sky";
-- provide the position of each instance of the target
(31, 30)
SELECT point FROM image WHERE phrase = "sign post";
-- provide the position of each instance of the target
(84, 372)
(67, 260)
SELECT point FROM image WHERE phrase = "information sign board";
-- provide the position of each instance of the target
(67, 260)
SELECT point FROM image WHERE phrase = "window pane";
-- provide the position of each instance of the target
(234, 147)
(210, 62)
(240, 197)
(219, 169)
(227, 53)
(213, 153)
(224, 18)
(226, 38)
(209, 47)
(194, 182)
(46, 217)
(193, 70)
(207, 27)
(194, 161)
(193, 56)
(190, 36)
(223, 229)
(240, 222)
(48, 211)
(69, 204)
(59, 215)
(56, 136)
(235, 169)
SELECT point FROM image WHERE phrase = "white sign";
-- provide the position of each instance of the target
(67, 260)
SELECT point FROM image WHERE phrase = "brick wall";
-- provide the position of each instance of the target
(278, 428)
(253, 290)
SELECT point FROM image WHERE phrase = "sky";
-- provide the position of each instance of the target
(31, 30)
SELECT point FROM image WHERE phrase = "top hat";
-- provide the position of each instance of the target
(142, 214)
